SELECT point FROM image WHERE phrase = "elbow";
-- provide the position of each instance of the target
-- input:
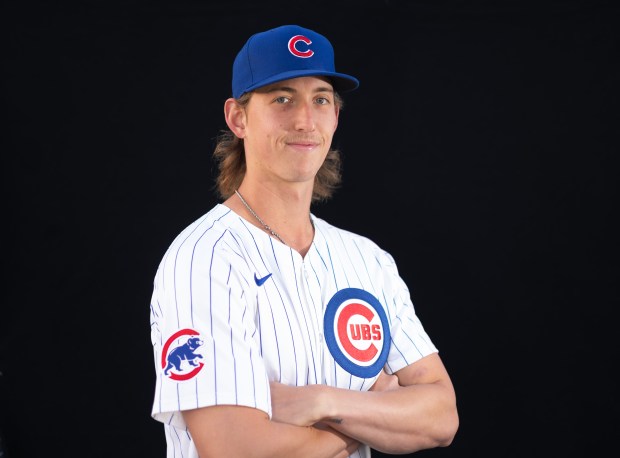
(441, 430)
(440, 433)
(446, 428)
(447, 431)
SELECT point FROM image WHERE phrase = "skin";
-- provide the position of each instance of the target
(237, 431)
(287, 129)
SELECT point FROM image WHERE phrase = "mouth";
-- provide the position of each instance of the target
(303, 143)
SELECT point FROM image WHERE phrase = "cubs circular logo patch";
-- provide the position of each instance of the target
(357, 332)
(179, 355)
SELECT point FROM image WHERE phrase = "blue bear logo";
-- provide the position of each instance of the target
(183, 352)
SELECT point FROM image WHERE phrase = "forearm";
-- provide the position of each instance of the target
(234, 431)
(404, 420)
(412, 410)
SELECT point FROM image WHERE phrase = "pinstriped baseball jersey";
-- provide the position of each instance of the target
(233, 308)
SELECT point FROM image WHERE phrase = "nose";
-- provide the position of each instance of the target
(304, 117)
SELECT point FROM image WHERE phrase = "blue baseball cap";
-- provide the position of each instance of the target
(288, 51)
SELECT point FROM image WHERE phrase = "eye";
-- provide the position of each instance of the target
(282, 99)
(322, 101)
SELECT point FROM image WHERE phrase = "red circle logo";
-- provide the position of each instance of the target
(357, 332)
(179, 363)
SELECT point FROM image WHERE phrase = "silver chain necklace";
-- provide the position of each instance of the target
(265, 225)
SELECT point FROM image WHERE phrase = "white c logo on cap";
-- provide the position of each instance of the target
(292, 46)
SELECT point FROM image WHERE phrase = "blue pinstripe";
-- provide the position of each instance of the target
(253, 333)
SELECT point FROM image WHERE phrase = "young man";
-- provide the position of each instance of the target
(276, 334)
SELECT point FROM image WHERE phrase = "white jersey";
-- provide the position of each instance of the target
(233, 309)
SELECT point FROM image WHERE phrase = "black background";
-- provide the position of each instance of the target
(480, 150)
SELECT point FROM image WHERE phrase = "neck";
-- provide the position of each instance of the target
(285, 219)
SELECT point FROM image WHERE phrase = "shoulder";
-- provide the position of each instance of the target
(217, 230)
(211, 225)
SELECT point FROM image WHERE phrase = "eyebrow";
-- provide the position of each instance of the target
(293, 91)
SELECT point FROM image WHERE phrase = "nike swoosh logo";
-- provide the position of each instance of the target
(260, 281)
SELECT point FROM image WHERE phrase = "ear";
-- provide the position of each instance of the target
(235, 117)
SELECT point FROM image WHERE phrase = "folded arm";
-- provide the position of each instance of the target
(237, 431)
(417, 413)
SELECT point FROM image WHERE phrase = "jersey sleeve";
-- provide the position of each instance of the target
(410, 342)
(203, 330)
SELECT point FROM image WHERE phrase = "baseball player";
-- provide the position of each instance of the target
(276, 334)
